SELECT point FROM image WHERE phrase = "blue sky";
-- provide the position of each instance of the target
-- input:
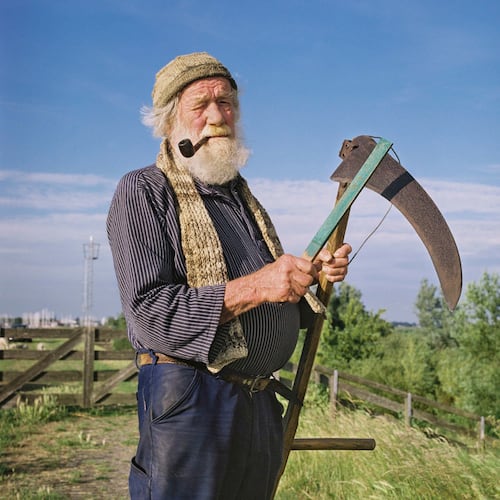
(74, 75)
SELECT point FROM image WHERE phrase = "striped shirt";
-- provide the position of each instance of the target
(162, 312)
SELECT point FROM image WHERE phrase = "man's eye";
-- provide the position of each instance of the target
(197, 109)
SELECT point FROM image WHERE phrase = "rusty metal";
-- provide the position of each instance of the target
(398, 186)
(349, 196)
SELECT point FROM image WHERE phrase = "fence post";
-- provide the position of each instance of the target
(409, 411)
(482, 440)
(88, 366)
(334, 390)
(4, 344)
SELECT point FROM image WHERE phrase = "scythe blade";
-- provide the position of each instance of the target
(398, 186)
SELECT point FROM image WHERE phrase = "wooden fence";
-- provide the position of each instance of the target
(412, 407)
(89, 360)
(83, 358)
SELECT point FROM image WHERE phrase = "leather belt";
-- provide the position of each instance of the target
(251, 384)
(145, 358)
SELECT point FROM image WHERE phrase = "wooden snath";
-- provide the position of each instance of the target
(331, 233)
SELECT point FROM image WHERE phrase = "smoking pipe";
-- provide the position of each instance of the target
(187, 149)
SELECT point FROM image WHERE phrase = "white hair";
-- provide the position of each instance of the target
(160, 120)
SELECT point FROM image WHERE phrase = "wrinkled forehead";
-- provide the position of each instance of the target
(207, 88)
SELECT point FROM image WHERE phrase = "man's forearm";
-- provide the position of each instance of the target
(240, 296)
(285, 280)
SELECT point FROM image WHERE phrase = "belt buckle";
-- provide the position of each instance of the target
(253, 389)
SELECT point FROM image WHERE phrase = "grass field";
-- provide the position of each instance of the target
(404, 465)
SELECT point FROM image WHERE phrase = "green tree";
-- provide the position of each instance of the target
(350, 332)
(18, 321)
(434, 317)
(469, 373)
(428, 306)
(117, 323)
(403, 360)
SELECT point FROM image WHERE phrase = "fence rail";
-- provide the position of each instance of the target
(97, 369)
(61, 357)
(413, 407)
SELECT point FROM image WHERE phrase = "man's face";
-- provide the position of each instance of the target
(206, 108)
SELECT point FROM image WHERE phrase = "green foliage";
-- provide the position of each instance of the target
(434, 317)
(404, 465)
(27, 416)
(122, 344)
(481, 338)
(43, 409)
(469, 373)
(428, 307)
(350, 332)
(42, 493)
(451, 357)
(18, 321)
(117, 323)
(317, 397)
(401, 360)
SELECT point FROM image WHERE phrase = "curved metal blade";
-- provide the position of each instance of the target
(398, 186)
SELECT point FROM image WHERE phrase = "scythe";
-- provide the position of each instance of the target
(367, 163)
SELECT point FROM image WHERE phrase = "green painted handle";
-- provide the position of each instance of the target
(351, 193)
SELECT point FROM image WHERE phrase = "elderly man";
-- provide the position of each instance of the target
(212, 304)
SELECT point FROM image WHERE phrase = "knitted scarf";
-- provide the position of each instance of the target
(202, 249)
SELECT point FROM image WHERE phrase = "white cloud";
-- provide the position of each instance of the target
(393, 262)
(38, 198)
(472, 211)
(50, 229)
(41, 239)
(36, 178)
(54, 192)
(465, 198)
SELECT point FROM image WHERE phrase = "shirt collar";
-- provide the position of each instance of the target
(214, 190)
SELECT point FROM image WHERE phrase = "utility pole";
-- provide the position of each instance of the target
(90, 253)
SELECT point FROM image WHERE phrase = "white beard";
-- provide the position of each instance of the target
(218, 161)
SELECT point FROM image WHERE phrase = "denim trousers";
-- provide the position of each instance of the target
(204, 438)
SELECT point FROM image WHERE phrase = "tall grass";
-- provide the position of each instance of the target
(404, 465)
(19, 421)
(43, 409)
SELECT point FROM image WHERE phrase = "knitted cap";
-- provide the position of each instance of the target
(184, 70)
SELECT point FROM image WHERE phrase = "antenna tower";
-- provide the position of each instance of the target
(90, 253)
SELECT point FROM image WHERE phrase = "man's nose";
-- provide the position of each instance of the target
(214, 114)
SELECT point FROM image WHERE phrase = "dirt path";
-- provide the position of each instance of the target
(82, 457)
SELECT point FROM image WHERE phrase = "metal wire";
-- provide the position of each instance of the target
(383, 217)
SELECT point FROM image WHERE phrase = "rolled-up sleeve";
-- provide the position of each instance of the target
(163, 313)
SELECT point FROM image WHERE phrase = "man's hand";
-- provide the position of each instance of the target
(285, 280)
(334, 266)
